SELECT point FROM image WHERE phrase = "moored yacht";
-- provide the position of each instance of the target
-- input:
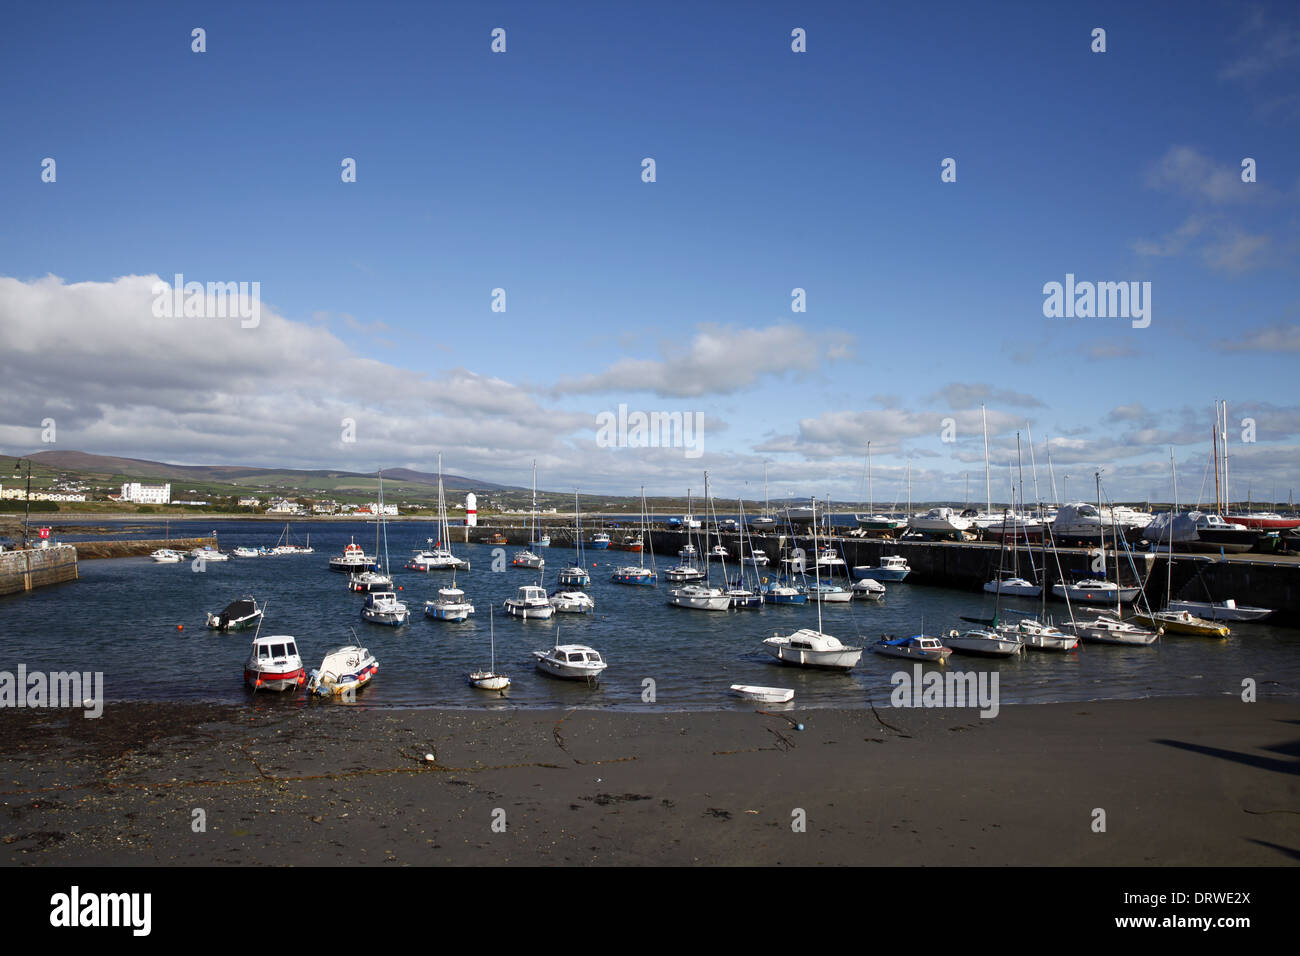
(450, 605)
(809, 648)
(382, 607)
(352, 560)
(892, 567)
(531, 602)
(918, 647)
(984, 643)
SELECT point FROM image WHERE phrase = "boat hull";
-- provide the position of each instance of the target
(275, 680)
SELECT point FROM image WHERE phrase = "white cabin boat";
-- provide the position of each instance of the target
(1108, 629)
(353, 559)
(1095, 591)
(1013, 587)
(809, 648)
(208, 553)
(369, 581)
(892, 568)
(449, 605)
(382, 607)
(572, 602)
(236, 616)
(344, 671)
(166, 556)
(699, 597)
(918, 647)
(940, 522)
(570, 662)
(530, 601)
(1038, 636)
(274, 664)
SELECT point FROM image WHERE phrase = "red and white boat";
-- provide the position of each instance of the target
(273, 664)
(1266, 521)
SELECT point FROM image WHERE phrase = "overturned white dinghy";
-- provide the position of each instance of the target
(764, 695)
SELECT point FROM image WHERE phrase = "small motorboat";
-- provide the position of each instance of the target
(528, 559)
(687, 553)
(343, 672)
(1095, 591)
(236, 616)
(1013, 587)
(1227, 610)
(1038, 636)
(829, 593)
(632, 542)
(353, 559)
(243, 552)
(757, 558)
(868, 588)
(1109, 629)
(369, 581)
(382, 607)
(489, 679)
(495, 538)
(273, 664)
(544, 541)
(918, 647)
(829, 560)
(718, 553)
(684, 573)
(209, 553)
(530, 601)
(783, 593)
(574, 576)
(1182, 622)
(809, 648)
(892, 567)
(699, 597)
(633, 574)
(449, 605)
(572, 602)
(980, 642)
(599, 541)
(166, 556)
(570, 661)
(764, 695)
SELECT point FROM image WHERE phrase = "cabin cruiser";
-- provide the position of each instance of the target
(166, 556)
(940, 522)
(829, 560)
(449, 605)
(353, 559)
(528, 559)
(570, 662)
(343, 672)
(699, 597)
(572, 602)
(829, 593)
(208, 553)
(632, 542)
(530, 601)
(880, 523)
(382, 607)
(809, 648)
(984, 643)
(718, 553)
(236, 615)
(757, 558)
(1013, 587)
(918, 647)
(1095, 591)
(243, 552)
(1199, 531)
(783, 593)
(273, 664)
(369, 581)
(892, 567)
(599, 541)
(1082, 521)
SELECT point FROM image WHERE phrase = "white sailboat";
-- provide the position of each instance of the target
(809, 648)
(570, 661)
(489, 679)
(696, 596)
(639, 573)
(528, 557)
(440, 557)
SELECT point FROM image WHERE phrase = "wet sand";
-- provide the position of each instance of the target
(1181, 781)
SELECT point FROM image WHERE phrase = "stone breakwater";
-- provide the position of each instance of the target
(37, 567)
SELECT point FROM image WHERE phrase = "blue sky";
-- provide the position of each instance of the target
(775, 170)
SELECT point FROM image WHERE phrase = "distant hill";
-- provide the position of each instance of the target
(139, 468)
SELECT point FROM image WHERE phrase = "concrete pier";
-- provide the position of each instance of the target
(36, 567)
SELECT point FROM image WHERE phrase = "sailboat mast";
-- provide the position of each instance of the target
(1227, 494)
(817, 568)
(1052, 472)
(988, 479)
(871, 491)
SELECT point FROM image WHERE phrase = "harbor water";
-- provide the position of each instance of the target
(142, 625)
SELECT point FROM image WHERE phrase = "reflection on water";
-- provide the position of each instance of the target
(121, 618)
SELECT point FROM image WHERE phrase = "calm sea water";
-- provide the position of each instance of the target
(122, 616)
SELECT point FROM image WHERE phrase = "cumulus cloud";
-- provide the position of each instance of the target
(719, 360)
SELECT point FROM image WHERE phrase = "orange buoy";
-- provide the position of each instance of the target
(180, 627)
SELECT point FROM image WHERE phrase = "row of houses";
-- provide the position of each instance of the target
(20, 494)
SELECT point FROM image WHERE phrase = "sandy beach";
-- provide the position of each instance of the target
(1182, 781)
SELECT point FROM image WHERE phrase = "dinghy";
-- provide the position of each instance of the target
(764, 695)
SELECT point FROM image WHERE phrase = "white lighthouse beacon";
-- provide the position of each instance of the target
(471, 510)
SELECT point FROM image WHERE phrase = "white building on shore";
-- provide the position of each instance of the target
(147, 494)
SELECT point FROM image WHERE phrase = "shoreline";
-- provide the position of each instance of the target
(1182, 781)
